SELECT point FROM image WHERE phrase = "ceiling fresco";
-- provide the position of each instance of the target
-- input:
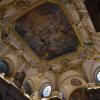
(47, 31)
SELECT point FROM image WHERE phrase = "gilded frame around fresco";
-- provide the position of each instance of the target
(29, 6)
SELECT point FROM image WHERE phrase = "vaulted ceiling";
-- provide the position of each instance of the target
(50, 49)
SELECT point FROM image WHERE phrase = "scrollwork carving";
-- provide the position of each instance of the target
(22, 3)
(2, 11)
(87, 52)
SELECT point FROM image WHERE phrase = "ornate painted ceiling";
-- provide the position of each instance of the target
(50, 48)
